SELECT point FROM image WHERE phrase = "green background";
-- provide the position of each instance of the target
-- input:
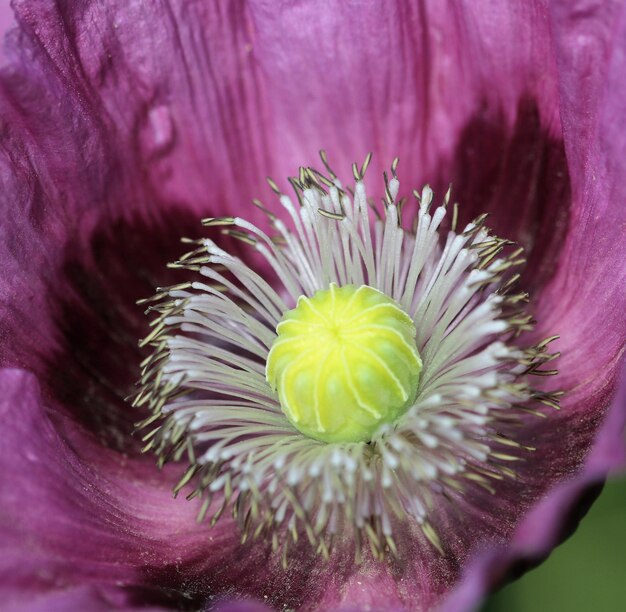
(586, 573)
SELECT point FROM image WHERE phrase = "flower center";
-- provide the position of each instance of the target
(344, 362)
(272, 407)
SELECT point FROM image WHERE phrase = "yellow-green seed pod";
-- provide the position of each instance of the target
(344, 362)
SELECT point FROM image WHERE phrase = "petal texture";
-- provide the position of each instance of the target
(80, 522)
(438, 84)
(586, 297)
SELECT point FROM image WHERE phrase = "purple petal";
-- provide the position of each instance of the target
(586, 298)
(74, 512)
(542, 528)
(440, 85)
(239, 605)
(402, 79)
(77, 513)
(170, 88)
(88, 598)
(98, 133)
(108, 157)
(585, 301)
(7, 22)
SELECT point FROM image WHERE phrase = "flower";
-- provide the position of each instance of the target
(123, 123)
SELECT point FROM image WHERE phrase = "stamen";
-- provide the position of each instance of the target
(260, 387)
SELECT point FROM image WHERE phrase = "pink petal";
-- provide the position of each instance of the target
(77, 514)
(7, 22)
(464, 93)
(108, 157)
(101, 139)
(87, 598)
(585, 301)
(543, 528)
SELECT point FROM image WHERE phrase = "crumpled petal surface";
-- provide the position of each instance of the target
(123, 123)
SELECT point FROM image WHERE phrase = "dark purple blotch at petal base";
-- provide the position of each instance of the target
(125, 122)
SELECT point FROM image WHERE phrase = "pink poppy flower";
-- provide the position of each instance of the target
(126, 122)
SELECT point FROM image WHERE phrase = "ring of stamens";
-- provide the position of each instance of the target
(210, 402)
